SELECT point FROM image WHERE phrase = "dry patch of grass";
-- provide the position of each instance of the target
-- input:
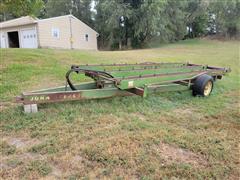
(21, 143)
(172, 154)
(6, 105)
(17, 163)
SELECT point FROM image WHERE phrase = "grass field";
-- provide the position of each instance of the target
(164, 136)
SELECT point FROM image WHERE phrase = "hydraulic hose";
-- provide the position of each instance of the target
(89, 73)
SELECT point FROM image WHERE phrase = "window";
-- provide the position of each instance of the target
(86, 37)
(55, 32)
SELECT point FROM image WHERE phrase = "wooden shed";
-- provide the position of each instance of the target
(65, 32)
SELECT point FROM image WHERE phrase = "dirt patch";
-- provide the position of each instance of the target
(56, 173)
(186, 111)
(23, 157)
(172, 154)
(6, 105)
(21, 142)
(12, 166)
(76, 160)
(68, 164)
(139, 116)
(3, 166)
(107, 119)
(31, 156)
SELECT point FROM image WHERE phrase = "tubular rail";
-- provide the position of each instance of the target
(111, 80)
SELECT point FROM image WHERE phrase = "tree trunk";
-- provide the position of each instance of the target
(120, 45)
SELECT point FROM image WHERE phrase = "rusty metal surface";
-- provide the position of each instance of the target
(126, 64)
(163, 74)
(39, 98)
(109, 86)
(137, 91)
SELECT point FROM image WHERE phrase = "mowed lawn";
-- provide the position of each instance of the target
(166, 135)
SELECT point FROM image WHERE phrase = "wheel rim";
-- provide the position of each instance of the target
(208, 88)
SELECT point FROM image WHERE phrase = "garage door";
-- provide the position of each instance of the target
(2, 41)
(29, 38)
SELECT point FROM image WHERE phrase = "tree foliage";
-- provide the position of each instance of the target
(147, 20)
(196, 17)
(17, 8)
(174, 27)
(107, 20)
(134, 23)
(79, 8)
(227, 16)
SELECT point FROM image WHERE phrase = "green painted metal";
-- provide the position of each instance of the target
(118, 71)
(124, 80)
(127, 73)
(117, 67)
(82, 86)
(58, 96)
(141, 81)
(167, 88)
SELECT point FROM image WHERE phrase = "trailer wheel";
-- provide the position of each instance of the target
(203, 85)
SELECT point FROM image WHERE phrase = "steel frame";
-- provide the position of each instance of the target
(122, 80)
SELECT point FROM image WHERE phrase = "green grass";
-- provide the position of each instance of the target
(40, 167)
(7, 149)
(128, 137)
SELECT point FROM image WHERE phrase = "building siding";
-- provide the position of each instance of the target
(71, 32)
(46, 39)
(79, 30)
(17, 28)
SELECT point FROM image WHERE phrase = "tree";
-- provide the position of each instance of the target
(134, 23)
(196, 17)
(141, 21)
(16, 8)
(108, 21)
(227, 17)
(79, 8)
(146, 20)
(174, 21)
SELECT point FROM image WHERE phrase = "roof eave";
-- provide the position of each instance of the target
(23, 24)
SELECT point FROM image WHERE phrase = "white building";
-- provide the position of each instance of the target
(65, 32)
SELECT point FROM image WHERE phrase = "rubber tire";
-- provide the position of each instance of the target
(200, 83)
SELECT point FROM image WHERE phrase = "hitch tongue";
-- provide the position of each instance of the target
(19, 99)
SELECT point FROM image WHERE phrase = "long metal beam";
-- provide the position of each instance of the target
(121, 80)
(58, 95)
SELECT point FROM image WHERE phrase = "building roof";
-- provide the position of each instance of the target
(19, 21)
(69, 15)
(31, 20)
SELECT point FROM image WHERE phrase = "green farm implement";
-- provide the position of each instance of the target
(127, 80)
